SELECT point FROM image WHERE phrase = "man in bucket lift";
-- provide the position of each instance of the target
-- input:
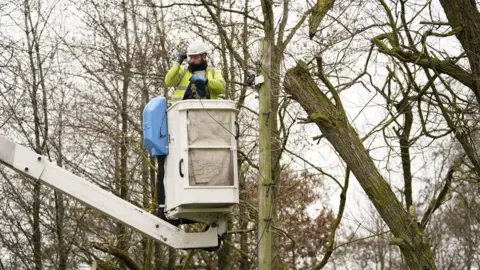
(193, 81)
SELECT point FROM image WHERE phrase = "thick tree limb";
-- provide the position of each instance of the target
(318, 12)
(337, 130)
(418, 58)
(464, 15)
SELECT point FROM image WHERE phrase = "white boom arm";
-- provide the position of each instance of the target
(38, 167)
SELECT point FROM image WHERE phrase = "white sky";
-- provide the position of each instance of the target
(354, 100)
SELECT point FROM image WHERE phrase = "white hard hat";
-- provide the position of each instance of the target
(197, 47)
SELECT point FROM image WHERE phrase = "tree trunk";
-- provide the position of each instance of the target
(59, 201)
(243, 222)
(224, 257)
(147, 199)
(32, 42)
(126, 66)
(465, 15)
(333, 123)
(37, 234)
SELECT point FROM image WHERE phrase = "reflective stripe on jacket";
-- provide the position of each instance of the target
(179, 77)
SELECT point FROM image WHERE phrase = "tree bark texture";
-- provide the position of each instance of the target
(333, 123)
(32, 41)
(404, 140)
(463, 14)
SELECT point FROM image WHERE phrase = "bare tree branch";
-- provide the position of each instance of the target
(437, 202)
(335, 225)
(118, 253)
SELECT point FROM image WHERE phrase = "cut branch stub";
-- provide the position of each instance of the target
(299, 77)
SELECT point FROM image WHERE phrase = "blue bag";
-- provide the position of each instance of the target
(155, 128)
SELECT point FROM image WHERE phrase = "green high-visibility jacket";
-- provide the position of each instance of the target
(179, 77)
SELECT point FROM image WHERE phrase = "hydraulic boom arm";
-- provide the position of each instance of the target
(38, 167)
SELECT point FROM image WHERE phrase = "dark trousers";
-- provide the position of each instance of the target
(160, 183)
